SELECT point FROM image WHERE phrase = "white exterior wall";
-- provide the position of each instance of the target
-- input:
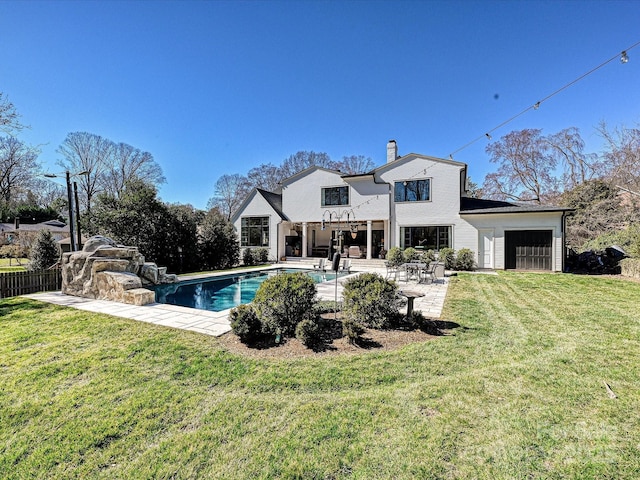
(257, 206)
(302, 198)
(444, 205)
(500, 223)
(374, 200)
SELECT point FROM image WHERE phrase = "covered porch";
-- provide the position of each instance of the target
(356, 239)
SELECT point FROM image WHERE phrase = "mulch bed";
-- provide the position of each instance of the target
(332, 343)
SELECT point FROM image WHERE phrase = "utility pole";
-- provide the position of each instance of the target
(70, 200)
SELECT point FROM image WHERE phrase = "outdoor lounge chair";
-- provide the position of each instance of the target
(346, 266)
(320, 265)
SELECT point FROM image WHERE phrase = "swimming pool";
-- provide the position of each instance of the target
(220, 293)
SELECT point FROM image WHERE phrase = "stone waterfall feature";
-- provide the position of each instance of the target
(105, 270)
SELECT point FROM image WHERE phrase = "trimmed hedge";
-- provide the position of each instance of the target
(283, 301)
(371, 300)
(465, 260)
(395, 256)
(448, 257)
(245, 323)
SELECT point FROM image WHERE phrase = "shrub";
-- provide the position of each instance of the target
(283, 301)
(352, 329)
(308, 332)
(245, 323)
(395, 256)
(326, 306)
(261, 255)
(429, 256)
(371, 300)
(418, 320)
(45, 251)
(247, 257)
(448, 257)
(628, 239)
(410, 254)
(465, 260)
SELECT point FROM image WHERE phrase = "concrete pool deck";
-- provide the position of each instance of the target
(217, 323)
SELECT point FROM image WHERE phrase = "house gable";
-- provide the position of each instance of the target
(261, 204)
(441, 177)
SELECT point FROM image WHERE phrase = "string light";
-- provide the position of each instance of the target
(624, 58)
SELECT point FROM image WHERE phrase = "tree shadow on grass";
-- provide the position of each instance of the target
(331, 330)
(367, 343)
(432, 326)
(21, 304)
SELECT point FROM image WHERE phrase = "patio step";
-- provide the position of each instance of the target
(356, 263)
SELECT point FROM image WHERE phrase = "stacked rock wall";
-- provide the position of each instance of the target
(108, 271)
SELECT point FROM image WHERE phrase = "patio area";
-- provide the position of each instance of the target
(217, 323)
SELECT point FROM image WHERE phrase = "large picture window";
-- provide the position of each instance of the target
(335, 196)
(427, 238)
(254, 232)
(412, 190)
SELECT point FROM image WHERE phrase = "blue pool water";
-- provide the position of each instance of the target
(220, 293)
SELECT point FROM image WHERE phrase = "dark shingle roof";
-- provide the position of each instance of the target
(478, 206)
(273, 199)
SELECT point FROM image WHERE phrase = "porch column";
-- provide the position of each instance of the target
(387, 235)
(304, 239)
(369, 222)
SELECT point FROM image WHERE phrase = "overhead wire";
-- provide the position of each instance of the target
(623, 58)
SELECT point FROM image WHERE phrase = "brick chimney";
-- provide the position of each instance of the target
(392, 151)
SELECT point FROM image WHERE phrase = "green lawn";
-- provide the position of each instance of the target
(516, 392)
(11, 265)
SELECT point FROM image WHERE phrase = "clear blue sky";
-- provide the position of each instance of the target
(219, 87)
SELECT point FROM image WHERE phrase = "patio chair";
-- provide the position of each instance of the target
(321, 265)
(403, 273)
(346, 266)
(427, 274)
(392, 271)
(438, 272)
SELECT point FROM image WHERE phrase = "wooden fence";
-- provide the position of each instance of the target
(21, 283)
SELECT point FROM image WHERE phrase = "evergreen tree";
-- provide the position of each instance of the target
(219, 246)
(45, 252)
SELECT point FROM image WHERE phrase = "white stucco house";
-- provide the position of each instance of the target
(411, 201)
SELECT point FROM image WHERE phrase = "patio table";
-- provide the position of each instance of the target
(414, 269)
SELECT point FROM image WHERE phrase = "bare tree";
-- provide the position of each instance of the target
(230, 191)
(568, 148)
(9, 118)
(621, 156)
(18, 168)
(473, 189)
(302, 160)
(86, 153)
(355, 164)
(526, 167)
(266, 176)
(127, 163)
(47, 193)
